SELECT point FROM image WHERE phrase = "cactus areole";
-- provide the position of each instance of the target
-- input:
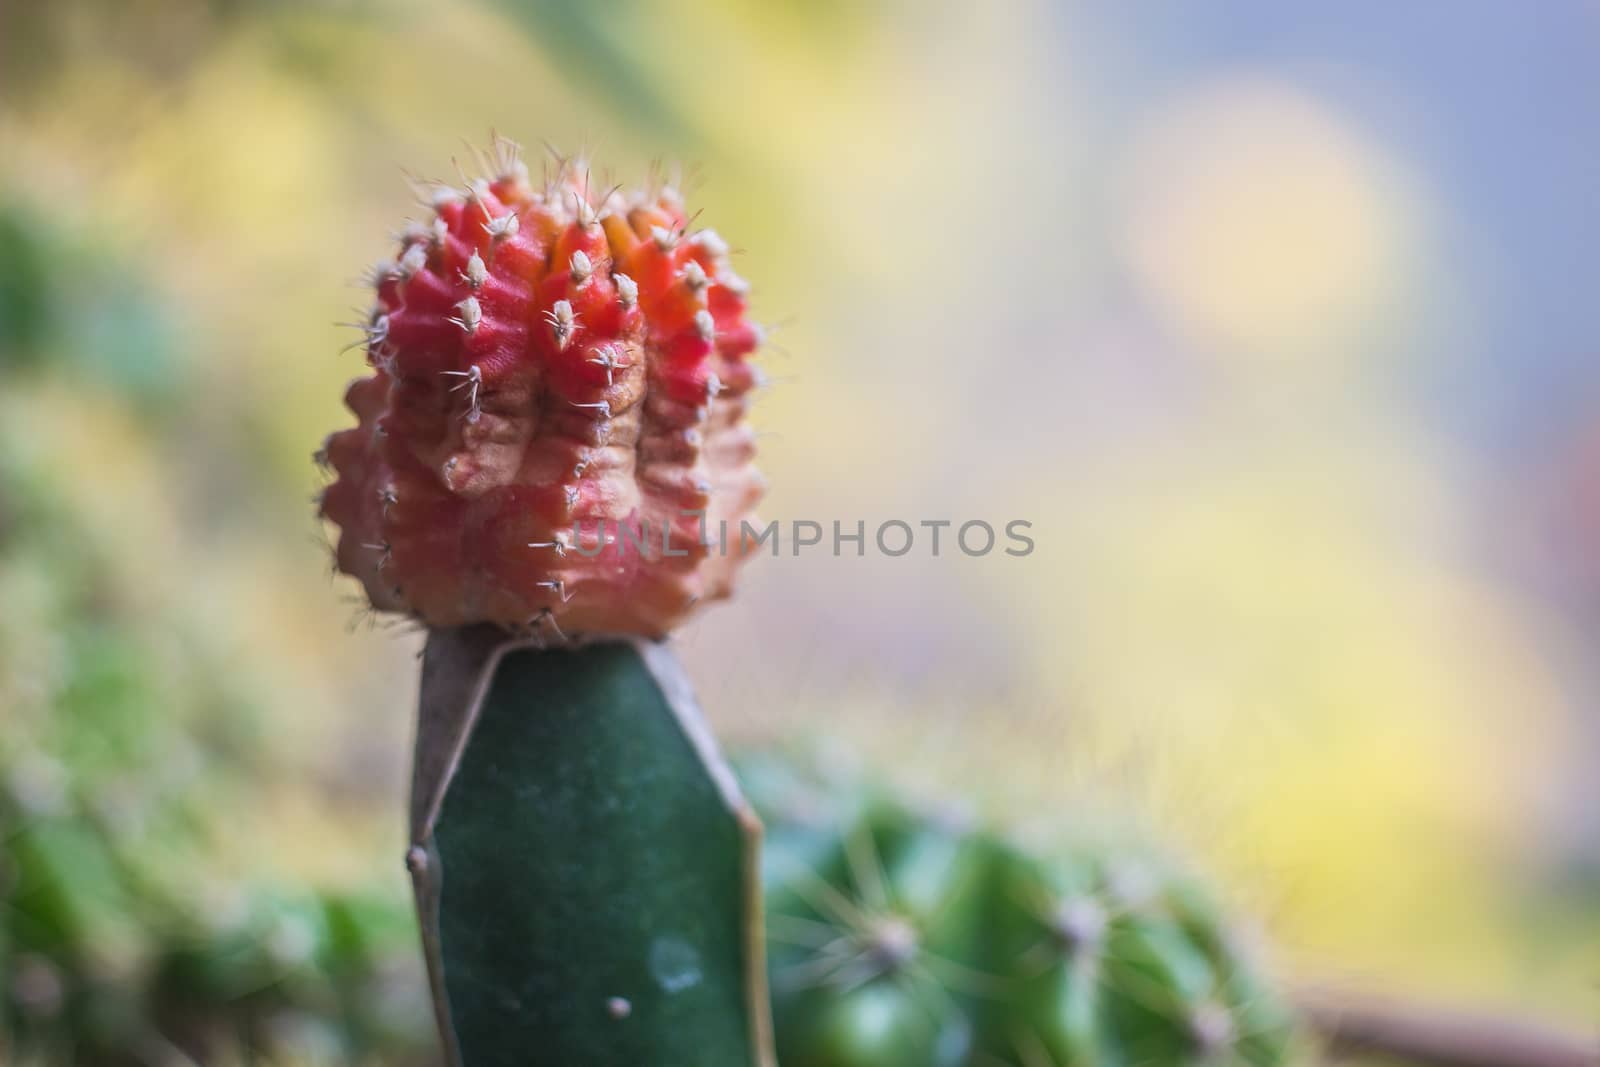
(554, 414)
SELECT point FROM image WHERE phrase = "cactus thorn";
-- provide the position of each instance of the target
(562, 321)
(705, 325)
(627, 290)
(502, 228)
(556, 586)
(373, 332)
(608, 360)
(583, 210)
(468, 314)
(548, 617)
(580, 267)
(610, 201)
(694, 276)
(414, 232)
(471, 380)
(412, 260)
(382, 271)
(506, 158)
(475, 273)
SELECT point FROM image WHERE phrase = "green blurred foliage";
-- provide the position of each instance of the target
(24, 289)
(83, 310)
(127, 755)
(582, 38)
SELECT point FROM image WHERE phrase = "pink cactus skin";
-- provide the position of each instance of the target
(545, 365)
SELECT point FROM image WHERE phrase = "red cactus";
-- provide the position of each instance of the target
(557, 397)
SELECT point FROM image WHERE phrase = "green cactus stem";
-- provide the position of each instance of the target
(585, 868)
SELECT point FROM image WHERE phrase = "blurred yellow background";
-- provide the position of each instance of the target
(1273, 327)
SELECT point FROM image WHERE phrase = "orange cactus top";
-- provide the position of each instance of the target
(553, 431)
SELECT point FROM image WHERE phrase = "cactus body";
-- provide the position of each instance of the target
(553, 428)
(586, 869)
(901, 939)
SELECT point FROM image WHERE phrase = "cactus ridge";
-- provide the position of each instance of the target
(900, 938)
(554, 416)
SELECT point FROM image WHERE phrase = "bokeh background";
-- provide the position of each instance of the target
(1276, 321)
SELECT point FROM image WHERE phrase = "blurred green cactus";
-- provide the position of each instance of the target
(902, 937)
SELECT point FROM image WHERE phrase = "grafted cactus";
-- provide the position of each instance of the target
(550, 446)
